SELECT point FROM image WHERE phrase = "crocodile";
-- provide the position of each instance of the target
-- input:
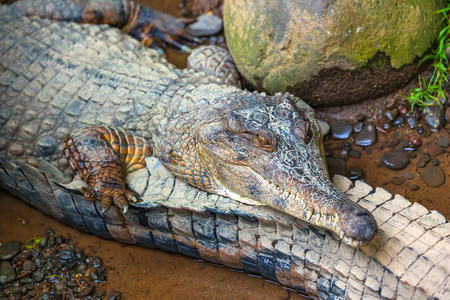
(188, 138)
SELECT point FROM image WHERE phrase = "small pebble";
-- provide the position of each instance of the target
(390, 114)
(355, 173)
(7, 273)
(114, 295)
(412, 122)
(407, 175)
(420, 129)
(393, 143)
(343, 154)
(336, 166)
(328, 152)
(434, 116)
(416, 140)
(387, 126)
(433, 176)
(443, 141)
(397, 180)
(368, 151)
(205, 25)
(9, 250)
(424, 158)
(403, 109)
(324, 126)
(434, 161)
(358, 127)
(355, 153)
(414, 187)
(399, 122)
(340, 130)
(367, 136)
(435, 150)
(395, 159)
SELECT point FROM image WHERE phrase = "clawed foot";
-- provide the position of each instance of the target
(109, 193)
(153, 28)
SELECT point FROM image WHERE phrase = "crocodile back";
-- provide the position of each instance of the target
(57, 76)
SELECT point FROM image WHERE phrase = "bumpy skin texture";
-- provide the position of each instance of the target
(48, 90)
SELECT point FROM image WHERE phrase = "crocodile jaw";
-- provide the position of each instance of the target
(288, 174)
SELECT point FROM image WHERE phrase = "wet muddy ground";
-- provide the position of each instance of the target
(141, 273)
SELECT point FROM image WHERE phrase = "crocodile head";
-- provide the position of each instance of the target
(267, 150)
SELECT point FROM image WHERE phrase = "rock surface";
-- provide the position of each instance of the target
(433, 176)
(8, 250)
(207, 24)
(395, 159)
(315, 49)
(367, 136)
(340, 130)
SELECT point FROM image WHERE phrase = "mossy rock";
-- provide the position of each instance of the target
(330, 51)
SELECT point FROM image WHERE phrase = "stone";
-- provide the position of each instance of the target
(414, 187)
(308, 47)
(205, 25)
(434, 161)
(424, 158)
(355, 173)
(447, 113)
(324, 126)
(367, 136)
(397, 180)
(416, 140)
(390, 114)
(435, 150)
(355, 153)
(358, 127)
(9, 250)
(407, 175)
(395, 159)
(399, 122)
(336, 166)
(412, 122)
(433, 176)
(434, 117)
(443, 141)
(7, 273)
(340, 130)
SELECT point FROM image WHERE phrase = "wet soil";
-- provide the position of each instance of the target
(137, 272)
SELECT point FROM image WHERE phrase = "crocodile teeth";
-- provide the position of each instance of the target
(341, 234)
(309, 214)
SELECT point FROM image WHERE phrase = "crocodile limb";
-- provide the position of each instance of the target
(149, 26)
(48, 89)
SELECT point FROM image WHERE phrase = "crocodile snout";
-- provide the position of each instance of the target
(358, 223)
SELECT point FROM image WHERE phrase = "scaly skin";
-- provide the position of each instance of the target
(219, 139)
(194, 123)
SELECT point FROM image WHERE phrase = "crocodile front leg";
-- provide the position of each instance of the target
(102, 156)
(147, 25)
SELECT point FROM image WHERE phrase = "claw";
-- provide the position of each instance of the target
(185, 49)
(125, 209)
(106, 203)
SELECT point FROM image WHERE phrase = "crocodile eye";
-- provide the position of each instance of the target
(262, 140)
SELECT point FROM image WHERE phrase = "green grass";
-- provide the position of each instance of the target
(429, 91)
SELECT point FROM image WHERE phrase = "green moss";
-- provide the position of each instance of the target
(276, 44)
